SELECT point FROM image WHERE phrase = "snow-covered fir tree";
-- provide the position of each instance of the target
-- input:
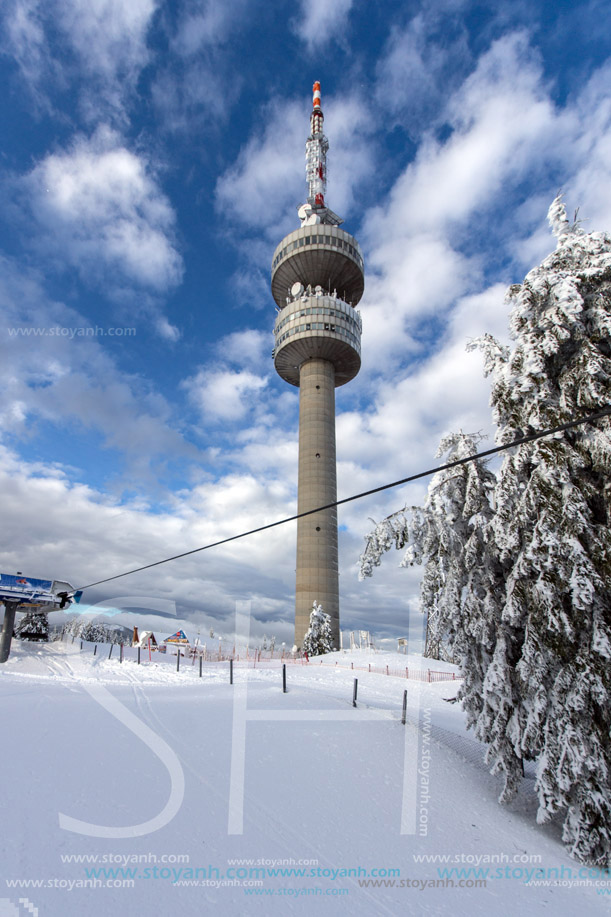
(94, 631)
(548, 691)
(532, 626)
(33, 626)
(318, 639)
(446, 537)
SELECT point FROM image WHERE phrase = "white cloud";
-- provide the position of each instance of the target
(99, 208)
(109, 36)
(322, 21)
(267, 182)
(501, 120)
(166, 330)
(103, 40)
(95, 537)
(351, 158)
(246, 348)
(207, 22)
(443, 201)
(196, 89)
(572, 154)
(224, 395)
(418, 68)
(445, 391)
(68, 381)
(25, 40)
(416, 277)
(590, 189)
(195, 97)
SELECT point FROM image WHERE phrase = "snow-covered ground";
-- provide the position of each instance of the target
(141, 790)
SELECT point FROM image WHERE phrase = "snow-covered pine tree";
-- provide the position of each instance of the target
(548, 691)
(96, 631)
(91, 632)
(319, 638)
(33, 626)
(446, 535)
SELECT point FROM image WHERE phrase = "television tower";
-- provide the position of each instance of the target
(317, 281)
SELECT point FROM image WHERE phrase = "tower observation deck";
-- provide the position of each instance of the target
(317, 282)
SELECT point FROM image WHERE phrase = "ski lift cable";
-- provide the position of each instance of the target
(531, 437)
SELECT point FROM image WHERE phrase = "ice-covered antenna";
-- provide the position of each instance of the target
(316, 153)
(315, 210)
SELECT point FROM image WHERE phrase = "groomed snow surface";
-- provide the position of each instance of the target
(142, 790)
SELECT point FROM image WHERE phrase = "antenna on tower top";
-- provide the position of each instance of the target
(315, 210)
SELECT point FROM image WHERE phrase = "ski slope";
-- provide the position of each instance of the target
(141, 790)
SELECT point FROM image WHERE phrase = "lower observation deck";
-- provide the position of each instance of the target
(318, 326)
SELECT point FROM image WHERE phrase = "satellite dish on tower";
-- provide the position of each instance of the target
(296, 289)
(307, 216)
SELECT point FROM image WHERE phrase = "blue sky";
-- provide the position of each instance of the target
(151, 159)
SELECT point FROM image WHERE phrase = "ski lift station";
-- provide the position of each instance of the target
(19, 592)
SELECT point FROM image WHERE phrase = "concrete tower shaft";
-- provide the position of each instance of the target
(317, 567)
(317, 280)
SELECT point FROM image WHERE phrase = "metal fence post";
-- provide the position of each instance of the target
(404, 714)
(356, 684)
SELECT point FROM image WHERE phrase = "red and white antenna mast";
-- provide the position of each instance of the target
(316, 153)
(315, 210)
